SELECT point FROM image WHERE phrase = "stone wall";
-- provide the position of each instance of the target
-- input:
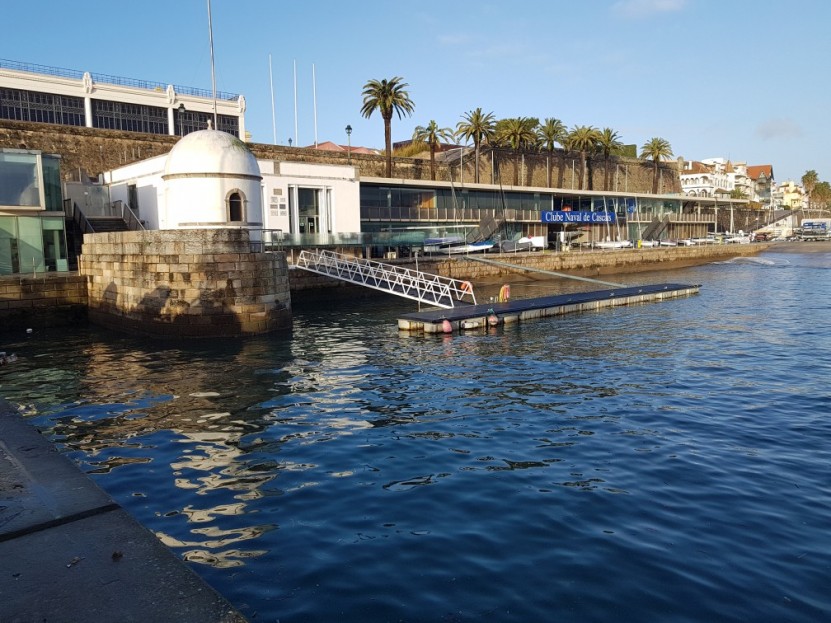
(96, 150)
(44, 300)
(185, 283)
(596, 263)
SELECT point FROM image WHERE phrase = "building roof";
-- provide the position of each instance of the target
(211, 152)
(755, 171)
(355, 149)
(695, 167)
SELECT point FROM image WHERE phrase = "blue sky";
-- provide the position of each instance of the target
(745, 80)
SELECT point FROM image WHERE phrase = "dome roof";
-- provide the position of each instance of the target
(211, 151)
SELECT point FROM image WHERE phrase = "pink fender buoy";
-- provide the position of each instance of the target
(446, 327)
(493, 320)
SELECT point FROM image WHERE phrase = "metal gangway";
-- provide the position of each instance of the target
(412, 284)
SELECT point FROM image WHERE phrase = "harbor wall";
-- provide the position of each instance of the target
(580, 263)
(185, 283)
(42, 300)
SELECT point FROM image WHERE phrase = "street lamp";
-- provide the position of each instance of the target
(181, 123)
(349, 144)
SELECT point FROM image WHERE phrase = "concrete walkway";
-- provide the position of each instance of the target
(68, 553)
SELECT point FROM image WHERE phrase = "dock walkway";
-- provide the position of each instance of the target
(70, 554)
(482, 315)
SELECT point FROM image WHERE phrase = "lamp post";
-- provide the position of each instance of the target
(181, 123)
(349, 144)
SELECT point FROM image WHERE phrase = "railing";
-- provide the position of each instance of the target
(117, 80)
(269, 240)
(418, 286)
(133, 222)
(81, 221)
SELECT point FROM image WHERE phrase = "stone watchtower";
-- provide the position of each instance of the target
(202, 273)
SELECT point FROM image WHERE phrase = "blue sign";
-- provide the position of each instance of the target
(560, 216)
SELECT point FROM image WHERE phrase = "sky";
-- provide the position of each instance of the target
(737, 79)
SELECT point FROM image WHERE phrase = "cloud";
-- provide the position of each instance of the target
(645, 8)
(778, 128)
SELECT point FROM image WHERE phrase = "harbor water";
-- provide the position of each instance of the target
(660, 462)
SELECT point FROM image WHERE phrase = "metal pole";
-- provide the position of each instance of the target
(273, 119)
(314, 99)
(213, 69)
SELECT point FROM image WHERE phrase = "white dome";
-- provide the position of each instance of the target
(210, 152)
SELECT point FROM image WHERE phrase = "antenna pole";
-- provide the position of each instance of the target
(273, 119)
(295, 104)
(213, 70)
(314, 99)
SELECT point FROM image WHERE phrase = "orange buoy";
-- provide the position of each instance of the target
(466, 288)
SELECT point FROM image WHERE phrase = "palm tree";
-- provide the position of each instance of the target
(478, 127)
(551, 133)
(657, 149)
(608, 141)
(518, 133)
(809, 183)
(433, 135)
(387, 96)
(582, 139)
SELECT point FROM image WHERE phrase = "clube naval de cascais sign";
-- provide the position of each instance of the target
(566, 216)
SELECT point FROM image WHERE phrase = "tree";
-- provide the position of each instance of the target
(608, 141)
(387, 97)
(822, 196)
(478, 127)
(552, 132)
(809, 182)
(583, 140)
(656, 149)
(738, 193)
(518, 133)
(433, 135)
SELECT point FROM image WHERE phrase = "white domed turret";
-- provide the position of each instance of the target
(212, 180)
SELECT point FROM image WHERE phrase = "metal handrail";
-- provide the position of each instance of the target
(415, 285)
(149, 85)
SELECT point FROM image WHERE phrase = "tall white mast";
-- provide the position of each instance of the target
(213, 70)
(314, 99)
(296, 144)
(273, 118)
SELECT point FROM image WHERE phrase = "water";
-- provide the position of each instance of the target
(667, 462)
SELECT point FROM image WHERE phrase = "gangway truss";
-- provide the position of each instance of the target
(412, 284)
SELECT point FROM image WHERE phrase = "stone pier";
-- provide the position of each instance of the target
(185, 283)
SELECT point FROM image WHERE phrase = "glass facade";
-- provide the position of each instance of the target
(192, 121)
(19, 179)
(20, 105)
(34, 106)
(129, 117)
(31, 239)
(407, 213)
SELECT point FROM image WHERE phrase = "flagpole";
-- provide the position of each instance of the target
(273, 119)
(314, 99)
(295, 104)
(213, 69)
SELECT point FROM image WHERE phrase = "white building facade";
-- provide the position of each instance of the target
(211, 179)
(42, 94)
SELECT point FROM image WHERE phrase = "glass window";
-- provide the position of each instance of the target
(129, 117)
(52, 183)
(19, 180)
(30, 244)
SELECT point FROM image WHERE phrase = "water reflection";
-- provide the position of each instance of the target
(399, 474)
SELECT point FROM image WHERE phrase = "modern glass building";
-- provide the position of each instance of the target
(32, 235)
(411, 211)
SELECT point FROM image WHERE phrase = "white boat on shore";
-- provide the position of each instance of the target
(474, 247)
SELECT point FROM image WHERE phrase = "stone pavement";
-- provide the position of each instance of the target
(68, 553)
